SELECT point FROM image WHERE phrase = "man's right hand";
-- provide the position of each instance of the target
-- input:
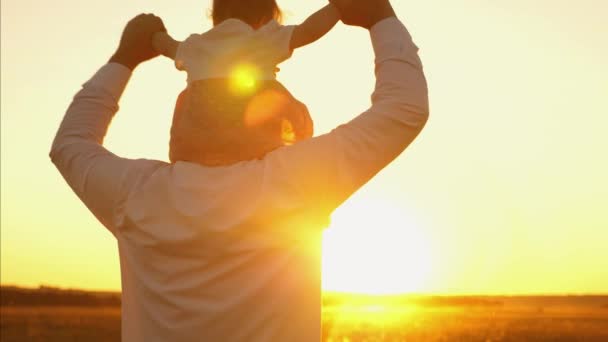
(136, 41)
(364, 13)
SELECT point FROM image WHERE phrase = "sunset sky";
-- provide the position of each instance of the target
(505, 191)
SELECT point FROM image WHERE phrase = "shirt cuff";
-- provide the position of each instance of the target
(391, 39)
(113, 78)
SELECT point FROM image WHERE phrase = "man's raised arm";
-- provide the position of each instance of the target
(324, 171)
(99, 178)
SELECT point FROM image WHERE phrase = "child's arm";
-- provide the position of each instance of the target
(315, 27)
(164, 44)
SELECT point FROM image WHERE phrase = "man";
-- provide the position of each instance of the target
(232, 253)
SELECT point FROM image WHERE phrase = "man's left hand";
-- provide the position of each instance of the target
(136, 41)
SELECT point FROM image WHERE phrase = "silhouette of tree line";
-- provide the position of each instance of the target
(49, 296)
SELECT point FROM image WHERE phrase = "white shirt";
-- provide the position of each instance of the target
(234, 253)
(220, 51)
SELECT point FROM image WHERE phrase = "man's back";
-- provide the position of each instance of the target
(217, 259)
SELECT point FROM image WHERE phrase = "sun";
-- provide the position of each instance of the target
(375, 247)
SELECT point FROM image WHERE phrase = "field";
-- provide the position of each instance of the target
(59, 324)
(472, 324)
(359, 318)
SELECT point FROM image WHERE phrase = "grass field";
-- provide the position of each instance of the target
(59, 324)
(474, 324)
(510, 319)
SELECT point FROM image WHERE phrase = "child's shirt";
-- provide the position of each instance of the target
(218, 52)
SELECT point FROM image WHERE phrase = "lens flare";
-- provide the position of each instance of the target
(244, 78)
(288, 134)
(265, 106)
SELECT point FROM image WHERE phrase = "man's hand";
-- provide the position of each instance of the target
(136, 41)
(364, 13)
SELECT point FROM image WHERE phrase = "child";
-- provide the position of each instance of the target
(232, 85)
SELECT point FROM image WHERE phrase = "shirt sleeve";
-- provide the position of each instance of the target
(184, 52)
(99, 178)
(321, 173)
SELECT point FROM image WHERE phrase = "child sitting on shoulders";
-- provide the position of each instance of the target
(233, 108)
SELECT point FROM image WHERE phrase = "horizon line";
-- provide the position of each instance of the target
(355, 293)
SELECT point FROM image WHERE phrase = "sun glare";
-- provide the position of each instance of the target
(244, 78)
(374, 247)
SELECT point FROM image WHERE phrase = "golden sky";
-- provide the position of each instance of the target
(504, 192)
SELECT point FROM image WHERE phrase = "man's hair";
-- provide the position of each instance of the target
(254, 12)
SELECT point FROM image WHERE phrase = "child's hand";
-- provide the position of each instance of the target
(164, 44)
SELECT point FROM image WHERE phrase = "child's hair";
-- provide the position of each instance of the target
(254, 12)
